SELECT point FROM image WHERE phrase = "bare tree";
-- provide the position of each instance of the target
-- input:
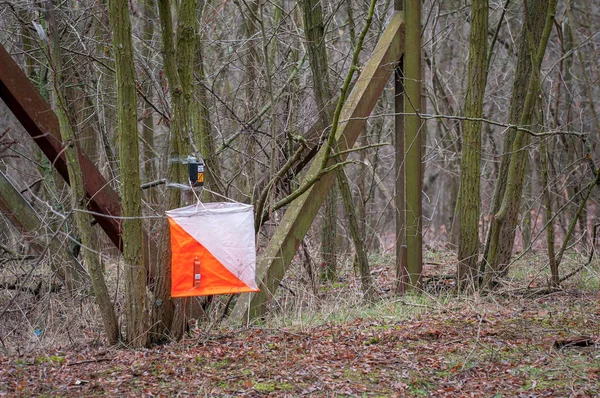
(468, 244)
(82, 219)
(129, 154)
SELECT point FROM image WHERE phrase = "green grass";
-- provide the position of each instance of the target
(52, 359)
(270, 386)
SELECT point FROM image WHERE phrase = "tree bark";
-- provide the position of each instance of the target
(536, 29)
(468, 244)
(82, 220)
(149, 11)
(314, 32)
(129, 154)
(169, 317)
(202, 129)
(548, 214)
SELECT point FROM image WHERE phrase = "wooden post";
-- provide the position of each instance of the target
(401, 272)
(412, 142)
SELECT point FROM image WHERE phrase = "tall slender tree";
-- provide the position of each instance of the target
(82, 220)
(201, 123)
(179, 55)
(129, 155)
(149, 11)
(468, 243)
(315, 37)
(314, 32)
(537, 24)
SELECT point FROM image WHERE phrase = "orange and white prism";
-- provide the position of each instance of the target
(213, 249)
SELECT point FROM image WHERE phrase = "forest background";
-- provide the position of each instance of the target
(508, 125)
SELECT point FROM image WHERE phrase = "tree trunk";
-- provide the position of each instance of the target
(163, 306)
(169, 316)
(526, 227)
(149, 10)
(105, 97)
(82, 219)
(245, 162)
(186, 56)
(329, 236)
(548, 214)
(201, 126)
(129, 155)
(540, 18)
(314, 32)
(366, 281)
(468, 244)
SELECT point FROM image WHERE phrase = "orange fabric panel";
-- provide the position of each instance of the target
(215, 278)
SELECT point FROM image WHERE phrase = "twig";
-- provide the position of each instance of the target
(226, 309)
(37, 263)
(496, 32)
(32, 185)
(574, 221)
(404, 302)
(112, 70)
(516, 127)
(90, 361)
(262, 214)
(308, 184)
(591, 256)
(7, 250)
(346, 86)
(576, 271)
(361, 148)
(153, 183)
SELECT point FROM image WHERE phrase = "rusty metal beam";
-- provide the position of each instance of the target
(300, 214)
(41, 124)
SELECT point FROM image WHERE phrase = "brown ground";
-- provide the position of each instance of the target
(476, 347)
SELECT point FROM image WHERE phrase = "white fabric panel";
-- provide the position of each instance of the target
(227, 231)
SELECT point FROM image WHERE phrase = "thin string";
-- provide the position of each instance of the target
(198, 195)
(199, 203)
(224, 197)
(117, 217)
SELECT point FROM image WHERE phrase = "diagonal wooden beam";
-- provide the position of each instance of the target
(300, 214)
(41, 124)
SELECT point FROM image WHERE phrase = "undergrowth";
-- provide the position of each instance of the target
(329, 342)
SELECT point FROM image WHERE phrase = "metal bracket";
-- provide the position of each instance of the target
(195, 170)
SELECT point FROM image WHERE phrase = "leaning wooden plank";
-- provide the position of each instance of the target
(19, 212)
(301, 213)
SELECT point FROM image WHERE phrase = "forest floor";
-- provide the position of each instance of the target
(519, 344)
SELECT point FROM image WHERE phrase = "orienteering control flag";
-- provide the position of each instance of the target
(212, 249)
